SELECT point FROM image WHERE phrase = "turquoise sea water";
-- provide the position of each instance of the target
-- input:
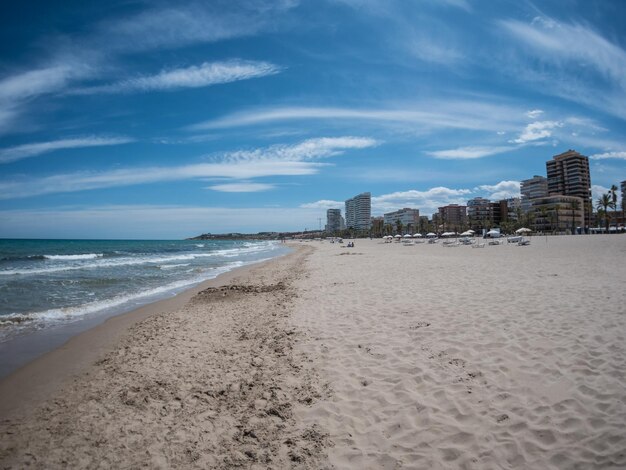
(45, 283)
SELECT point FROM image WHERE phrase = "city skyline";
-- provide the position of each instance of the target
(135, 120)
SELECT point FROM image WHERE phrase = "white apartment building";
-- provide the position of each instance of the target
(408, 217)
(359, 212)
(333, 220)
(533, 188)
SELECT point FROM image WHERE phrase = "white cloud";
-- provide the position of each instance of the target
(577, 63)
(428, 50)
(324, 204)
(597, 191)
(81, 181)
(206, 74)
(17, 90)
(36, 82)
(502, 190)
(466, 153)
(283, 160)
(242, 187)
(20, 152)
(572, 42)
(607, 155)
(534, 114)
(537, 130)
(426, 201)
(186, 24)
(471, 115)
(321, 147)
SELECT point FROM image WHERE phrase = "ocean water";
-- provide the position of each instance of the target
(51, 283)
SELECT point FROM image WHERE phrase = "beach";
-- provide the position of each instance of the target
(377, 356)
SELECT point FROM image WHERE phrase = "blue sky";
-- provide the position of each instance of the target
(136, 119)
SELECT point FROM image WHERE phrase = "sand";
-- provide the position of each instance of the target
(378, 356)
(210, 385)
(501, 357)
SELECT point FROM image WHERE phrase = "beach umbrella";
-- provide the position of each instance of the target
(467, 233)
(408, 236)
(523, 230)
(417, 235)
(431, 234)
(398, 236)
(493, 232)
(471, 231)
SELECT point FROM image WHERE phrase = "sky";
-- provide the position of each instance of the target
(159, 120)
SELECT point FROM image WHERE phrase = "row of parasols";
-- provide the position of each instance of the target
(468, 233)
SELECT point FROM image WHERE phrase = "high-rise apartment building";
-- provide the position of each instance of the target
(568, 175)
(480, 213)
(333, 220)
(532, 188)
(359, 212)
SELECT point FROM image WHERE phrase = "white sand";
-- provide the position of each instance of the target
(502, 357)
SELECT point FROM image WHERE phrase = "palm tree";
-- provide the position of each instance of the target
(399, 226)
(613, 194)
(604, 202)
(575, 206)
(543, 210)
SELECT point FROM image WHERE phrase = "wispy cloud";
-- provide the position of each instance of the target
(72, 182)
(183, 25)
(99, 50)
(242, 187)
(609, 155)
(321, 147)
(203, 75)
(534, 114)
(574, 42)
(20, 152)
(576, 62)
(537, 130)
(426, 49)
(467, 153)
(281, 160)
(32, 83)
(19, 89)
(479, 115)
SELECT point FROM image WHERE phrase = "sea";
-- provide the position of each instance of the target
(55, 288)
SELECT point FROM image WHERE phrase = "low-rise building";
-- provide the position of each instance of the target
(409, 218)
(558, 213)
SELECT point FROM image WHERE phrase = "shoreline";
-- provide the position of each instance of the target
(373, 356)
(45, 373)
